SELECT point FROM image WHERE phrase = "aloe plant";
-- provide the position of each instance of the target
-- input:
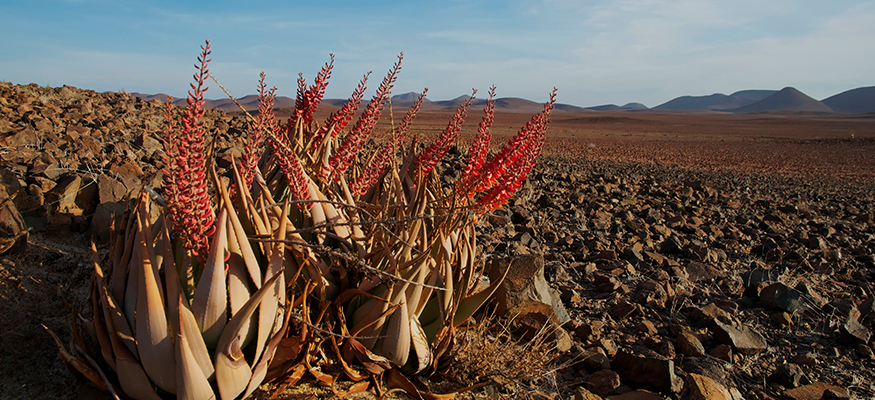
(385, 256)
(186, 303)
(379, 260)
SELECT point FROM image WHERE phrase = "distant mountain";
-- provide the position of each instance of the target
(787, 99)
(614, 107)
(605, 107)
(249, 102)
(855, 101)
(716, 101)
(504, 104)
(407, 98)
(751, 96)
(635, 106)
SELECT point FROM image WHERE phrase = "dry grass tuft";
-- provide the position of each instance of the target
(490, 355)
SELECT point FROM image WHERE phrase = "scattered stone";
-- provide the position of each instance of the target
(699, 387)
(13, 229)
(647, 370)
(525, 284)
(788, 375)
(782, 320)
(637, 395)
(853, 333)
(594, 358)
(832, 394)
(745, 340)
(782, 297)
(689, 344)
(757, 276)
(603, 382)
(582, 394)
(722, 352)
(624, 309)
(814, 391)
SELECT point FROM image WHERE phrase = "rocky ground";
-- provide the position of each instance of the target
(666, 278)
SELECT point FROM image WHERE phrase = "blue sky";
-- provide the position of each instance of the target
(595, 52)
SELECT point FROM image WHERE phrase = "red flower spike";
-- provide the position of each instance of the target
(480, 147)
(300, 100)
(265, 122)
(317, 90)
(434, 153)
(188, 199)
(338, 121)
(378, 164)
(171, 151)
(512, 166)
(408, 120)
(353, 142)
(310, 97)
(294, 172)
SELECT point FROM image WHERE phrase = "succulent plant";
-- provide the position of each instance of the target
(187, 304)
(378, 259)
(386, 256)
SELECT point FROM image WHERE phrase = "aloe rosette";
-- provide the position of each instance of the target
(186, 303)
(167, 324)
(378, 259)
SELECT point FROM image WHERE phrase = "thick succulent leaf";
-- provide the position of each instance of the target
(244, 199)
(367, 320)
(210, 301)
(131, 293)
(195, 341)
(117, 327)
(133, 379)
(396, 344)
(267, 313)
(154, 342)
(179, 313)
(99, 312)
(469, 305)
(241, 244)
(120, 267)
(259, 372)
(131, 375)
(318, 215)
(375, 364)
(193, 385)
(84, 368)
(395, 380)
(419, 343)
(238, 287)
(233, 373)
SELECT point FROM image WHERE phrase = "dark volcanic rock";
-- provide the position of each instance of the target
(647, 370)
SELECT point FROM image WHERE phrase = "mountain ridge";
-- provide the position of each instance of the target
(787, 99)
(855, 101)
